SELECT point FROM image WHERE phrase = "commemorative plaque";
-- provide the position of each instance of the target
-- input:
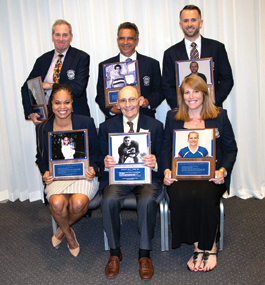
(68, 154)
(118, 75)
(193, 156)
(129, 149)
(37, 97)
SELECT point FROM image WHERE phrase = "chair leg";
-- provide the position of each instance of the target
(221, 240)
(162, 224)
(166, 215)
(106, 242)
(54, 226)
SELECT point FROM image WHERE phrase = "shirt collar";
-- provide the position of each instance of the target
(132, 57)
(57, 53)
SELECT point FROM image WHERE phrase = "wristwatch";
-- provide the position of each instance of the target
(224, 171)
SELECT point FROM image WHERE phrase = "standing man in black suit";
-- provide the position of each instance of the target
(191, 23)
(149, 73)
(131, 120)
(74, 71)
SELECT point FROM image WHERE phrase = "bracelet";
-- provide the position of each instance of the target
(222, 169)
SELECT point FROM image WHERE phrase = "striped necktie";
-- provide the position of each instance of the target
(194, 54)
(57, 69)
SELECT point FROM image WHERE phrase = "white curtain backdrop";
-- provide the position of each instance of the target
(25, 27)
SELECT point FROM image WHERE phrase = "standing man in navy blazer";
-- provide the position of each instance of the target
(74, 72)
(129, 103)
(191, 23)
(149, 73)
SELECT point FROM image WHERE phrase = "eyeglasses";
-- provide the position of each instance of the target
(130, 100)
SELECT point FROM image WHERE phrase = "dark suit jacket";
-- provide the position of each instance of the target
(226, 148)
(223, 78)
(115, 125)
(75, 60)
(78, 122)
(150, 84)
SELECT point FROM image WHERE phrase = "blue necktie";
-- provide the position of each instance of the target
(128, 59)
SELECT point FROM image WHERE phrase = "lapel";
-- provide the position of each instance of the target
(139, 57)
(206, 49)
(66, 64)
(141, 123)
(46, 64)
(210, 123)
(118, 124)
(76, 123)
(181, 52)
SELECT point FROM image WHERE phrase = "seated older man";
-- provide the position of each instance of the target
(129, 103)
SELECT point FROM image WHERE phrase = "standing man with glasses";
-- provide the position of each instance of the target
(64, 64)
(149, 73)
(129, 121)
(192, 47)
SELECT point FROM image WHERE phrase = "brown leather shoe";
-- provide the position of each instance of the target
(113, 266)
(146, 268)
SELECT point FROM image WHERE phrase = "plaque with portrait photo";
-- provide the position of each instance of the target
(37, 97)
(118, 75)
(202, 67)
(128, 150)
(193, 156)
(68, 154)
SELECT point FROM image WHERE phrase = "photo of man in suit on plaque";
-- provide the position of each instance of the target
(194, 67)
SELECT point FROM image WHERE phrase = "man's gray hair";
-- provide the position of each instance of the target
(62, 22)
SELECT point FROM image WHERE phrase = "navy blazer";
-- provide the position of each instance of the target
(78, 122)
(223, 78)
(150, 84)
(75, 60)
(226, 148)
(115, 125)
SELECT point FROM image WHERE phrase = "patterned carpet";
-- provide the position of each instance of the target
(27, 255)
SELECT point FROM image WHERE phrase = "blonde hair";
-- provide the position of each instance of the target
(209, 110)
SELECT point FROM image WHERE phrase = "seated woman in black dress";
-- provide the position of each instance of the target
(68, 199)
(194, 204)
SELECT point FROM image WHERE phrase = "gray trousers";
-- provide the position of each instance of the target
(112, 202)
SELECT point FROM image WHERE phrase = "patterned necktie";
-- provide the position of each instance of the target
(194, 54)
(128, 59)
(131, 127)
(57, 69)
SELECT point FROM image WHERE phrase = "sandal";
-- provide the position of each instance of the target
(206, 257)
(195, 259)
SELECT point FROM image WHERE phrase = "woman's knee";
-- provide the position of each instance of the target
(78, 204)
(57, 204)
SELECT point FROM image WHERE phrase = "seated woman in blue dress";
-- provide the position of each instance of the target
(193, 150)
(194, 204)
(68, 200)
